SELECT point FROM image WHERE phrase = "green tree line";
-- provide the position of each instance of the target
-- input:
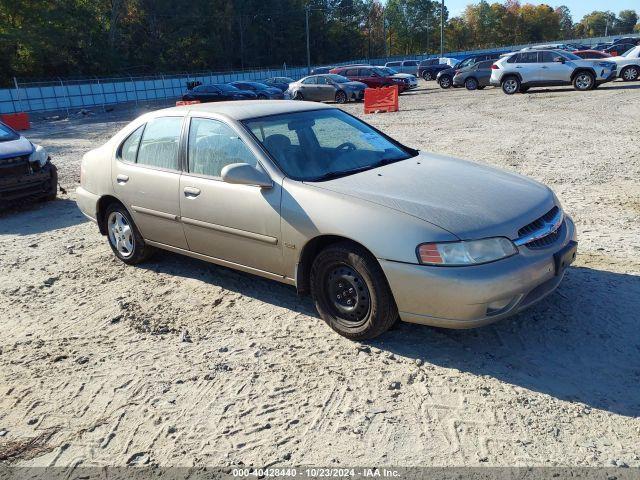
(63, 38)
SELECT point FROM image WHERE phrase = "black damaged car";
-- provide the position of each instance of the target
(26, 171)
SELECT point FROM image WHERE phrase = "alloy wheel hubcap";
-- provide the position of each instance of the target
(511, 86)
(630, 74)
(348, 294)
(120, 234)
(584, 82)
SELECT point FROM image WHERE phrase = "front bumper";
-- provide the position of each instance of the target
(469, 297)
(32, 185)
(355, 95)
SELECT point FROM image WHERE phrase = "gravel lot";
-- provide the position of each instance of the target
(93, 369)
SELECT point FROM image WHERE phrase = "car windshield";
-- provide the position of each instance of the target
(256, 85)
(379, 72)
(570, 55)
(6, 134)
(389, 71)
(337, 78)
(319, 145)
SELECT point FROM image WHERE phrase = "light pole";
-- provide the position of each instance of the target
(308, 50)
(442, 29)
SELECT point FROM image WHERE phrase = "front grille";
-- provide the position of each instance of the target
(540, 224)
(14, 166)
(545, 242)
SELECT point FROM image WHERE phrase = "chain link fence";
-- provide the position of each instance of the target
(67, 95)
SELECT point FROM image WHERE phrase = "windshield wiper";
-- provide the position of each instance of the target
(344, 173)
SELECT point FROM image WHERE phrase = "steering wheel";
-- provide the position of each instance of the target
(346, 146)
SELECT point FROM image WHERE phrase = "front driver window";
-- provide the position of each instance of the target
(214, 145)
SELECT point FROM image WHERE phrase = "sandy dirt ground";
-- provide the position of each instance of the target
(95, 369)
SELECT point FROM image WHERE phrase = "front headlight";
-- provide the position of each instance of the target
(39, 155)
(472, 252)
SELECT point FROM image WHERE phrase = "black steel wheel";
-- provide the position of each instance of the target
(351, 292)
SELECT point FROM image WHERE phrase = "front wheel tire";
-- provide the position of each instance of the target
(123, 236)
(341, 97)
(630, 74)
(584, 81)
(351, 292)
(445, 82)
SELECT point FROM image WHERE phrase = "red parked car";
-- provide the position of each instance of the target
(371, 76)
(591, 54)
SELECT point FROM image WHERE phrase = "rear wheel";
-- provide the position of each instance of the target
(427, 76)
(445, 81)
(471, 84)
(511, 85)
(341, 97)
(351, 292)
(630, 74)
(124, 238)
(584, 81)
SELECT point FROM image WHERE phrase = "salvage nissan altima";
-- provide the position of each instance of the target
(308, 195)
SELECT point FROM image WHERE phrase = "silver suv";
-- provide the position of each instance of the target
(519, 71)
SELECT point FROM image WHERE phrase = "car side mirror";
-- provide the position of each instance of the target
(245, 174)
(559, 60)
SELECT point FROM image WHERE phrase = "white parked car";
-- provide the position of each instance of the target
(404, 66)
(628, 64)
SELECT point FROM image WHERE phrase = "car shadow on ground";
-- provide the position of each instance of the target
(580, 344)
(607, 86)
(268, 291)
(39, 217)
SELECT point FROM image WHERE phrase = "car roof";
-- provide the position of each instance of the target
(244, 109)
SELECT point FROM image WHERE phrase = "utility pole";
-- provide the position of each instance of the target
(442, 30)
(306, 11)
(384, 32)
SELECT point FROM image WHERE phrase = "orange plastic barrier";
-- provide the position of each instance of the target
(383, 99)
(17, 121)
(180, 103)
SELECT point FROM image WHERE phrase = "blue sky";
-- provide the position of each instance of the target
(578, 7)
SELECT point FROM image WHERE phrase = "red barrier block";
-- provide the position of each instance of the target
(17, 121)
(383, 99)
(181, 103)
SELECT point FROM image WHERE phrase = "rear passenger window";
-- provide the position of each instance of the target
(129, 148)
(410, 63)
(214, 145)
(529, 57)
(351, 73)
(159, 145)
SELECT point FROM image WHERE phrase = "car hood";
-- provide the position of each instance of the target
(402, 75)
(467, 199)
(16, 148)
(356, 85)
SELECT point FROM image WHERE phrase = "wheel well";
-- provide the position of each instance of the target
(581, 70)
(103, 203)
(309, 253)
(510, 75)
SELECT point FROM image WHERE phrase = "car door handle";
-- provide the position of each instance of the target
(122, 179)
(191, 192)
